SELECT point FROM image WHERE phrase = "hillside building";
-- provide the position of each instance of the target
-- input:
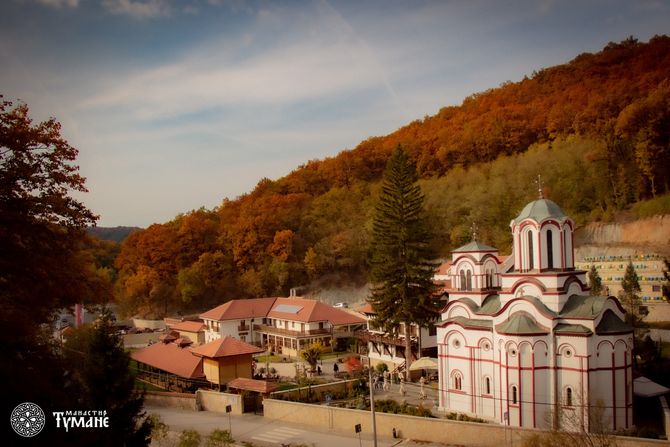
(612, 269)
(522, 343)
(286, 325)
(382, 347)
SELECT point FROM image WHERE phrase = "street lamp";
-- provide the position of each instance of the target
(372, 402)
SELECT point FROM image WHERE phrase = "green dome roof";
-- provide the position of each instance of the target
(474, 246)
(540, 210)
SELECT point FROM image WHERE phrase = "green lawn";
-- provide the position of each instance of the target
(139, 385)
(665, 350)
(270, 358)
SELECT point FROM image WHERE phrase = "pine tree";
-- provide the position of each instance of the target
(100, 370)
(595, 282)
(629, 295)
(401, 254)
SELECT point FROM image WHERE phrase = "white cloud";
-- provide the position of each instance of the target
(218, 78)
(59, 3)
(147, 9)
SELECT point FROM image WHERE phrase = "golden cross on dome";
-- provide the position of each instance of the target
(539, 186)
(473, 228)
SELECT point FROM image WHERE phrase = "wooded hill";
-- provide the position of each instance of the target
(596, 128)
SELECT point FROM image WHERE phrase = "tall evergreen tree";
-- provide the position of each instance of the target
(595, 282)
(630, 286)
(100, 371)
(402, 255)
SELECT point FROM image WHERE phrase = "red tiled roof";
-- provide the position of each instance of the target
(225, 347)
(443, 269)
(259, 386)
(188, 326)
(306, 311)
(239, 309)
(366, 309)
(171, 358)
(311, 311)
(183, 341)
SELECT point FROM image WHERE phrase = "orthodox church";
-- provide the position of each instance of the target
(521, 342)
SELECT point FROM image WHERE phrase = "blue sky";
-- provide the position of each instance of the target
(177, 104)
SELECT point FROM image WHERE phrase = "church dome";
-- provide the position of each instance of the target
(540, 210)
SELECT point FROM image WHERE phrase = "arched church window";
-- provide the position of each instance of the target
(469, 280)
(550, 250)
(487, 386)
(462, 284)
(568, 396)
(457, 380)
(531, 263)
(514, 396)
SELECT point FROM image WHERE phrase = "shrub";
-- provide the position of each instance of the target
(189, 438)
(220, 438)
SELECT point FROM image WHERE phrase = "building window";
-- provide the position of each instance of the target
(568, 396)
(550, 250)
(469, 280)
(531, 264)
(487, 385)
(462, 284)
(514, 396)
(457, 380)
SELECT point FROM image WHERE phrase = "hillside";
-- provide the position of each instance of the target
(114, 234)
(596, 128)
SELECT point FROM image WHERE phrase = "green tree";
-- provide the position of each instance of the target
(595, 281)
(311, 354)
(402, 256)
(100, 370)
(630, 286)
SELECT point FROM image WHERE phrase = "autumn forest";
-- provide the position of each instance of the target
(596, 128)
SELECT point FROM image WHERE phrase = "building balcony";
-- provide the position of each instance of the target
(244, 328)
(290, 333)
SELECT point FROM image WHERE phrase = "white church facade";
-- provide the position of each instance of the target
(521, 341)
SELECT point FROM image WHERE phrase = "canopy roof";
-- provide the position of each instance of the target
(644, 387)
(424, 363)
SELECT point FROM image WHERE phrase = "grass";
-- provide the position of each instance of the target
(274, 358)
(140, 385)
(659, 324)
(652, 207)
(665, 350)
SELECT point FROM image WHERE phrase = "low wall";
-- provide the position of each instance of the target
(140, 340)
(417, 428)
(215, 401)
(168, 399)
(151, 324)
(318, 391)
(658, 311)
